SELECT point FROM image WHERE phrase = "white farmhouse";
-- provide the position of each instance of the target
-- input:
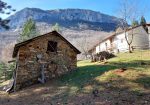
(118, 43)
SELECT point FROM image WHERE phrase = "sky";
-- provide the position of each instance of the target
(109, 7)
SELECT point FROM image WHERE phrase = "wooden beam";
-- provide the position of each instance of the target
(11, 61)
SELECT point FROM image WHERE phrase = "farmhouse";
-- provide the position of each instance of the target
(117, 42)
(42, 58)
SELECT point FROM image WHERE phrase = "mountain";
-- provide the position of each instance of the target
(83, 28)
(77, 19)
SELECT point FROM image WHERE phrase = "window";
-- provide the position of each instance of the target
(106, 44)
(52, 46)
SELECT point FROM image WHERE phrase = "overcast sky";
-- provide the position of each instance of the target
(109, 7)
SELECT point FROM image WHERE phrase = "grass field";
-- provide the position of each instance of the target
(133, 83)
(137, 73)
(115, 86)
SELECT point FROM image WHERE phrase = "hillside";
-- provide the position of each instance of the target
(77, 25)
(115, 87)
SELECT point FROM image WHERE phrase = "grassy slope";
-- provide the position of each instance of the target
(131, 87)
(135, 78)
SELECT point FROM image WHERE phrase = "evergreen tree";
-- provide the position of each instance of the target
(5, 9)
(29, 30)
(143, 21)
(135, 23)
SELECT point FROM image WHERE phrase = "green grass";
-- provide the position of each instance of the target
(85, 73)
(137, 76)
(89, 76)
(129, 87)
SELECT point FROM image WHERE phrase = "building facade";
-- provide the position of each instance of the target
(43, 58)
(117, 42)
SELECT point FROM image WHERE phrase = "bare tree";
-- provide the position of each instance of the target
(128, 12)
(84, 46)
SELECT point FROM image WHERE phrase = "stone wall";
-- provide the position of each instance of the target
(55, 63)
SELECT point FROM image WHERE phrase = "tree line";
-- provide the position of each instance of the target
(136, 22)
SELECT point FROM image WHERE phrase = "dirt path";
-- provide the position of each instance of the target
(54, 94)
(49, 94)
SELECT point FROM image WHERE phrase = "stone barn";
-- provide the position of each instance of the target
(42, 58)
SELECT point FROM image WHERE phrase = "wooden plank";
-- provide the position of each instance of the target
(11, 61)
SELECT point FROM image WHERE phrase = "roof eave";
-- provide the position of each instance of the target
(17, 46)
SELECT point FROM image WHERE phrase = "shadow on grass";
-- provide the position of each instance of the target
(132, 64)
(85, 74)
(143, 81)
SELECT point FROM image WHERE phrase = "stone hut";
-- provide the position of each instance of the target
(42, 58)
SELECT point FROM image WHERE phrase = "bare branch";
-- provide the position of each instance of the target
(128, 13)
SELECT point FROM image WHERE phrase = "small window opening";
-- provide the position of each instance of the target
(52, 46)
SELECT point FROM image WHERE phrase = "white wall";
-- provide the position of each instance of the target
(120, 43)
(140, 38)
(98, 48)
(102, 46)
(149, 35)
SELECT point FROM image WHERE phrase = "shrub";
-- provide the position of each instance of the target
(6, 70)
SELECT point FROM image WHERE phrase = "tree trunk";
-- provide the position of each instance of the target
(92, 58)
(130, 51)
